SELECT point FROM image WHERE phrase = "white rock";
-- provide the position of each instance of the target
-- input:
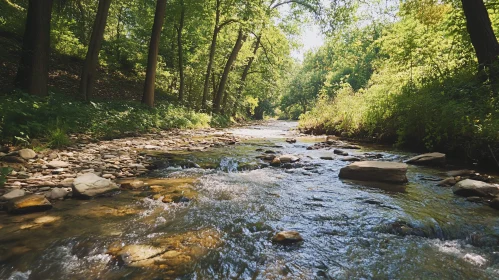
(27, 153)
(57, 193)
(90, 185)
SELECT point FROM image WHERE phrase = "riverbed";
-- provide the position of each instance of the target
(219, 214)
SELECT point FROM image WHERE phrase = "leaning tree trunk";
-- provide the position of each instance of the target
(244, 76)
(92, 59)
(482, 36)
(181, 54)
(211, 58)
(241, 37)
(152, 59)
(32, 73)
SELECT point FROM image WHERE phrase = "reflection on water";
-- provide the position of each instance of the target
(352, 230)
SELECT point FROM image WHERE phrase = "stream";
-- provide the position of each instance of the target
(229, 204)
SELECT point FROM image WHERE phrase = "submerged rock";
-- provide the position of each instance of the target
(428, 159)
(174, 254)
(91, 185)
(340, 152)
(28, 204)
(388, 172)
(287, 237)
(495, 203)
(464, 172)
(470, 187)
(448, 182)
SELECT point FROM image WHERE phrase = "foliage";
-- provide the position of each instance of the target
(24, 117)
(423, 91)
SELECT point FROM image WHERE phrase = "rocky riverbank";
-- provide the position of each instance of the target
(91, 169)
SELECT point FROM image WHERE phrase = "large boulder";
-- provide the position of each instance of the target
(470, 187)
(28, 204)
(428, 159)
(27, 153)
(90, 185)
(379, 171)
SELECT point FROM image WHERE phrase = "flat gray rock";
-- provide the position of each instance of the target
(378, 171)
(428, 159)
(91, 185)
(56, 164)
(13, 194)
(470, 187)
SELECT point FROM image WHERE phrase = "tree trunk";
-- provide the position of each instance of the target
(211, 58)
(152, 59)
(92, 59)
(181, 53)
(32, 73)
(244, 76)
(241, 37)
(482, 36)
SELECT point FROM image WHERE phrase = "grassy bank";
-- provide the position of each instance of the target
(52, 119)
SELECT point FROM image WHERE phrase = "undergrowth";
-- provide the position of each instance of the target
(53, 118)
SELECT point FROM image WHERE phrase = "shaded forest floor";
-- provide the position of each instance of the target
(64, 72)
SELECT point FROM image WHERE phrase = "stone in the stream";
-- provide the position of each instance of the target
(352, 159)
(28, 204)
(27, 153)
(327, 158)
(91, 185)
(428, 159)
(56, 164)
(287, 237)
(291, 140)
(470, 187)
(132, 185)
(340, 152)
(495, 203)
(276, 162)
(288, 158)
(388, 172)
(57, 193)
(13, 194)
(448, 182)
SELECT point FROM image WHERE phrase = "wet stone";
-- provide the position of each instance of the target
(28, 204)
(287, 237)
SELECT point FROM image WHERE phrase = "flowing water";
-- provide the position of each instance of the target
(351, 230)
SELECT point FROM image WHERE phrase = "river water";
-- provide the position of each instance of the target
(351, 230)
